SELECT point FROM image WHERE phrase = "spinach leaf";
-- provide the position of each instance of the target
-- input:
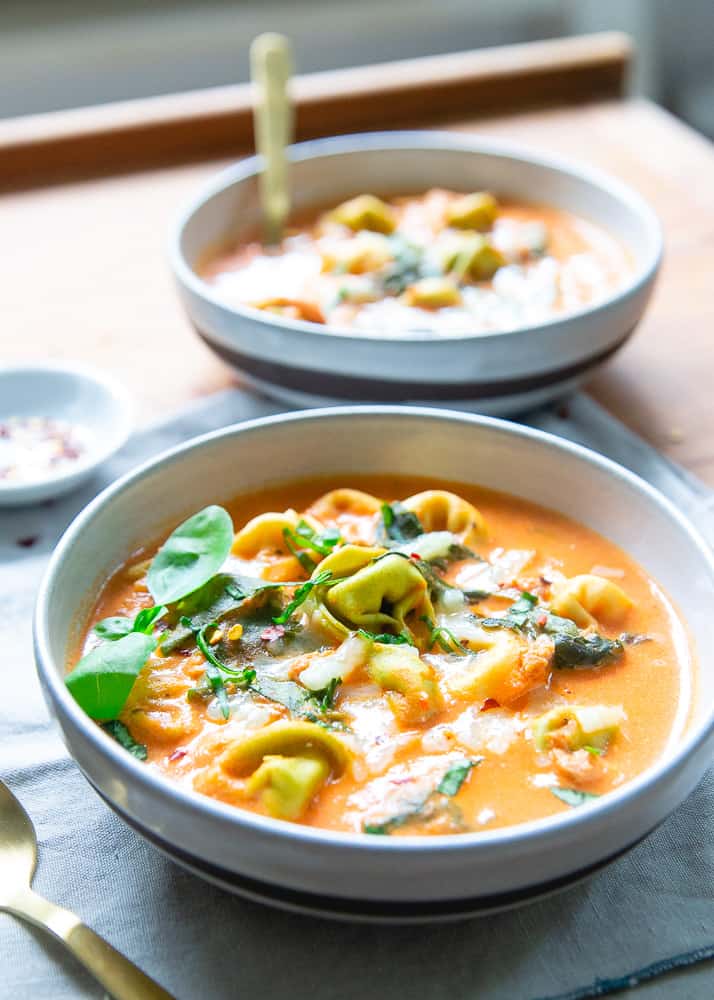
(287, 693)
(583, 650)
(301, 595)
(397, 525)
(572, 796)
(118, 731)
(147, 617)
(102, 680)
(116, 628)
(191, 555)
(456, 776)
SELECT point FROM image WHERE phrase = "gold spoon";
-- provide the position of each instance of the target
(18, 858)
(270, 66)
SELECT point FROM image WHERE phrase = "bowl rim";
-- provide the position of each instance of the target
(107, 445)
(337, 145)
(532, 831)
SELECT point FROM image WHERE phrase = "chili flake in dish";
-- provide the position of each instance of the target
(447, 662)
(34, 448)
(440, 263)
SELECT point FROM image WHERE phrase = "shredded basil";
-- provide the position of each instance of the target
(457, 774)
(573, 796)
(444, 637)
(118, 731)
(386, 638)
(301, 595)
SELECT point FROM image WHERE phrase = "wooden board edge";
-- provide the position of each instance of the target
(135, 135)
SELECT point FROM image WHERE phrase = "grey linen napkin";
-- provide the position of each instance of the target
(648, 912)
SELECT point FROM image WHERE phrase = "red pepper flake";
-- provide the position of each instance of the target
(414, 555)
(489, 704)
(177, 755)
(272, 632)
(541, 620)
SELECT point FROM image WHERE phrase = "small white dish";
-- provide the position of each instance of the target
(95, 407)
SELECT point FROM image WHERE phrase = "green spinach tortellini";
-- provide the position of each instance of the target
(380, 590)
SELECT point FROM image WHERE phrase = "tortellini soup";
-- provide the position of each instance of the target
(387, 656)
(440, 263)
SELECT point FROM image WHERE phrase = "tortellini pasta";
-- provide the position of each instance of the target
(264, 534)
(439, 510)
(349, 511)
(576, 726)
(286, 764)
(588, 599)
(381, 595)
(411, 685)
(504, 667)
(365, 212)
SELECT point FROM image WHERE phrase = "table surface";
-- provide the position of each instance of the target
(87, 276)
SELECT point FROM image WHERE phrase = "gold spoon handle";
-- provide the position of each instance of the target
(120, 977)
(270, 62)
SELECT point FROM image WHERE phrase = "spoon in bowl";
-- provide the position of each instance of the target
(270, 65)
(18, 859)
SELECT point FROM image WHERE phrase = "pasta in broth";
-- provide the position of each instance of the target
(451, 662)
(441, 263)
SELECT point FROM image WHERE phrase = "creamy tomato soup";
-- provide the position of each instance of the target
(440, 263)
(389, 656)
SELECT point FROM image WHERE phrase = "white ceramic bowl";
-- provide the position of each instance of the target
(96, 405)
(311, 365)
(357, 875)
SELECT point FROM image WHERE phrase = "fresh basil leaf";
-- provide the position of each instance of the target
(102, 680)
(191, 555)
(118, 731)
(114, 628)
(456, 776)
(398, 525)
(572, 796)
